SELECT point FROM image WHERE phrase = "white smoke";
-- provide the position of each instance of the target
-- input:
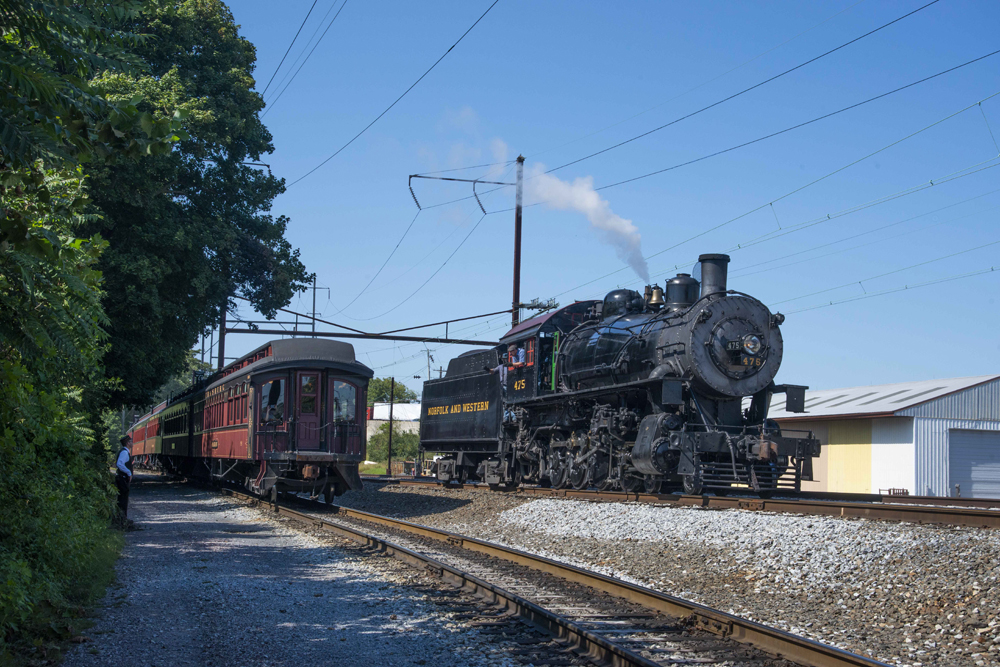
(580, 196)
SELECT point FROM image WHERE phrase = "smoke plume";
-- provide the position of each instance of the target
(580, 196)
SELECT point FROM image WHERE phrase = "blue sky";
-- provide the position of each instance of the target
(555, 81)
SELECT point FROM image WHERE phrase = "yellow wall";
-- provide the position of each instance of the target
(850, 459)
(845, 461)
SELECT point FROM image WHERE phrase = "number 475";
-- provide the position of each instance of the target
(519, 385)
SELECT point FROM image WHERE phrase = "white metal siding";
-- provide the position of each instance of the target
(974, 463)
(981, 402)
(930, 438)
(893, 454)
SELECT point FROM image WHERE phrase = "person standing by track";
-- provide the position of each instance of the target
(123, 478)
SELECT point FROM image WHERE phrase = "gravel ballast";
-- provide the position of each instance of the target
(907, 594)
(209, 581)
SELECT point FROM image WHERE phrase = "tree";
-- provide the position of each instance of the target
(188, 229)
(55, 500)
(404, 444)
(379, 388)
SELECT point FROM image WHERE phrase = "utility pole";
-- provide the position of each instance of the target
(392, 397)
(222, 337)
(430, 358)
(203, 348)
(440, 372)
(314, 307)
(515, 313)
(211, 345)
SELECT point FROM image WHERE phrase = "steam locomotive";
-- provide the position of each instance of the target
(638, 392)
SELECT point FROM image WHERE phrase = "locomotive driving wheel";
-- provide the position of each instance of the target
(633, 483)
(559, 470)
(580, 475)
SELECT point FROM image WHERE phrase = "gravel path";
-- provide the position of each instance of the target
(907, 594)
(211, 582)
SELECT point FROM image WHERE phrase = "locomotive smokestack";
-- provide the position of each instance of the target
(714, 271)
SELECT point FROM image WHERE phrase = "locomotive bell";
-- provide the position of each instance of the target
(655, 301)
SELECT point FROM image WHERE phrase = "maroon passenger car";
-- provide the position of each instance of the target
(289, 416)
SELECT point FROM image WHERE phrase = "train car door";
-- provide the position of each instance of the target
(307, 429)
(344, 434)
(270, 431)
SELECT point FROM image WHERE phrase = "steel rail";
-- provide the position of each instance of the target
(771, 640)
(562, 629)
(975, 514)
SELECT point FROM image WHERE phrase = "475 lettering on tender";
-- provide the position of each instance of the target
(438, 410)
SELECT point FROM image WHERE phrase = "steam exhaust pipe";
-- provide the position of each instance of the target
(714, 272)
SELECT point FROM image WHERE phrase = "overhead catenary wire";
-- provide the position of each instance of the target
(743, 270)
(791, 229)
(274, 101)
(319, 26)
(379, 272)
(745, 90)
(787, 194)
(799, 125)
(897, 289)
(889, 273)
(396, 101)
(289, 49)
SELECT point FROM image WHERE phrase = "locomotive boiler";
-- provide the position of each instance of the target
(666, 389)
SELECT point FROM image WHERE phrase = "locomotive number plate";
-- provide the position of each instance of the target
(751, 362)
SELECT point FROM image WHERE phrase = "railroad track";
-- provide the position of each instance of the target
(593, 618)
(978, 513)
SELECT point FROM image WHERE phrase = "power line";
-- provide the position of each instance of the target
(800, 125)
(377, 273)
(319, 26)
(330, 25)
(287, 51)
(675, 97)
(744, 91)
(897, 289)
(412, 86)
(742, 271)
(961, 173)
(888, 273)
(424, 284)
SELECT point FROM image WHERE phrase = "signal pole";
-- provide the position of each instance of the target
(392, 396)
(515, 312)
(222, 337)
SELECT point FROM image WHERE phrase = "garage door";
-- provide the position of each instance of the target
(974, 463)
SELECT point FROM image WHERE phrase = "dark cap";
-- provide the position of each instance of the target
(125, 439)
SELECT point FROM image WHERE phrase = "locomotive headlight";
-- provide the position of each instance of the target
(751, 344)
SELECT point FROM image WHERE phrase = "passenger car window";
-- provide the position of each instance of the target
(307, 395)
(272, 402)
(344, 401)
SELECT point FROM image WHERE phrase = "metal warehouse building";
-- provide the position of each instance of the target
(934, 438)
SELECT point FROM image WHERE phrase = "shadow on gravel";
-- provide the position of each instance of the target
(227, 590)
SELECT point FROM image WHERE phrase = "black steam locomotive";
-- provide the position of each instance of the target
(638, 392)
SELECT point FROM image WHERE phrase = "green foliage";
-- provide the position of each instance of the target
(183, 379)
(192, 227)
(404, 445)
(378, 392)
(48, 111)
(55, 499)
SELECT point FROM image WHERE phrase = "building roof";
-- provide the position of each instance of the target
(401, 412)
(874, 400)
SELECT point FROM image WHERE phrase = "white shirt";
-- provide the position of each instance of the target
(123, 461)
